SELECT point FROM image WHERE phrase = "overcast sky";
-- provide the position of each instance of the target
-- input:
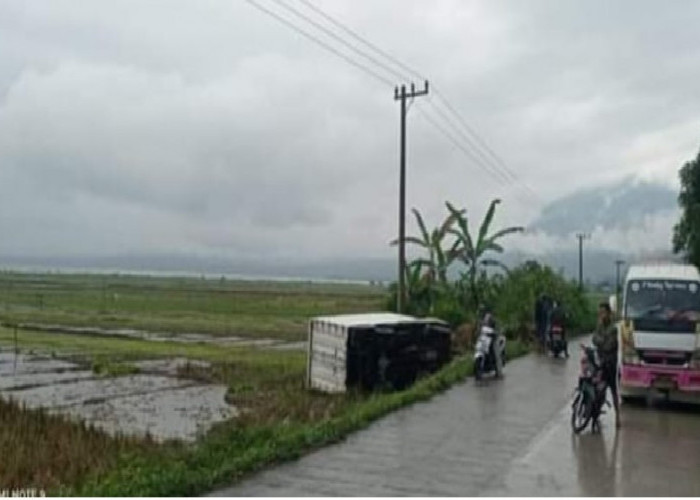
(209, 127)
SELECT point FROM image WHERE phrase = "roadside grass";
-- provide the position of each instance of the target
(179, 305)
(281, 421)
(46, 451)
(234, 449)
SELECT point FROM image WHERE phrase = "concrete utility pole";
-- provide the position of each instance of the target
(581, 237)
(402, 95)
(618, 289)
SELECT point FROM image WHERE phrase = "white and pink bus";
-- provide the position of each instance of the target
(659, 332)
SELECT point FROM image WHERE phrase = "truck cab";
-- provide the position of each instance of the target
(659, 332)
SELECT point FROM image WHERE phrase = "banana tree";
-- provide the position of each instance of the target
(417, 288)
(438, 259)
(472, 253)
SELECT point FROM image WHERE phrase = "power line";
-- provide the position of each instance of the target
(326, 46)
(485, 146)
(477, 150)
(493, 174)
(456, 142)
(511, 174)
(472, 133)
(363, 40)
(480, 143)
(339, 39)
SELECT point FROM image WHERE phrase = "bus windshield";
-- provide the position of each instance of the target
(663, 300)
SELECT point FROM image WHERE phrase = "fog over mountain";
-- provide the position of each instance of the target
(630, 219)
(622, 206)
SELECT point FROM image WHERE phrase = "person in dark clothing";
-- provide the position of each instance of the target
(558, 318)
(541, 318)
(543, 313)
(605, 341)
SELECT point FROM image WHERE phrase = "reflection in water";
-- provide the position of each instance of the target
(597, 458)
(659, 451)
(654, 453)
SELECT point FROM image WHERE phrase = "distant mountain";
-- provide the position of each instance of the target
(621, 216)
(616, 206)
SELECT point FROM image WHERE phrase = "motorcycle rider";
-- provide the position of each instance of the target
(488, 320)
(605, 341)
(558, 318)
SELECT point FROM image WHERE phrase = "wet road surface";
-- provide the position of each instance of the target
(501, 438)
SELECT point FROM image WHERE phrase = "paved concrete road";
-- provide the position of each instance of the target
(504, 438)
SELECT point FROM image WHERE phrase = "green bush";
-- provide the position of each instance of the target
(511, 297)
(519, 291)
(448, 307)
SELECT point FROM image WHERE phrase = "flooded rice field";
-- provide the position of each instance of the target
(184, 338)
(154, 402)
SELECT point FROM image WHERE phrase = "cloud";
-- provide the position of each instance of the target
(188, 150)
(209, 127)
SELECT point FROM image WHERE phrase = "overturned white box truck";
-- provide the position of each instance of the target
(374, 351)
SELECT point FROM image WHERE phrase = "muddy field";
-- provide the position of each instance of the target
(155, 402)
(184, 338)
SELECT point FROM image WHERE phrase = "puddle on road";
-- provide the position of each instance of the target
(155, 402)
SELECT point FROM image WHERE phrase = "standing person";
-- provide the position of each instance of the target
(548, 309)
(540, 318)
(605, 341)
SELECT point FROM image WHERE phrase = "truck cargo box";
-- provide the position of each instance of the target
(374, 351)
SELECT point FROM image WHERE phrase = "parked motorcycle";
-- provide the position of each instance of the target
(484, 361)
(556, 342)
(589, 396)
